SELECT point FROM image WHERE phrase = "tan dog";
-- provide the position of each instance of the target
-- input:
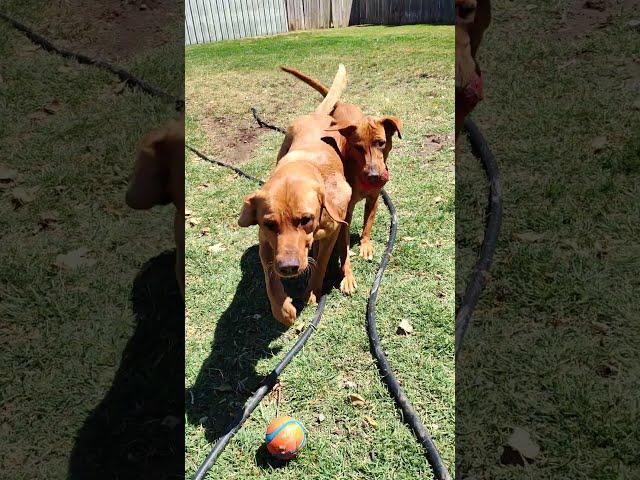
(304, 201)
(364, 143)
(472, 19)
(158, 179)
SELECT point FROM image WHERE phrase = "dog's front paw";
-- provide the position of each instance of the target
(366, 250)
(348, 284)
(285, 314)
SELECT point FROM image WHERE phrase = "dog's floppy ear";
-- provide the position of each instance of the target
(149, 184)
(345, 128)
(248, 215)
(330, 209)
(392, 125)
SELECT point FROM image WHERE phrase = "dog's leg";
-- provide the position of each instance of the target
(281, 305)
(178, 231)
(370, 208)
(325, 247)
(348, 283)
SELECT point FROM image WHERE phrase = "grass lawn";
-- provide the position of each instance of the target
(559, 316)
(63, 331)
(231, 339)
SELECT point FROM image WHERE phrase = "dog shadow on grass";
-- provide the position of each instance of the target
(136, 431)
(242, 338)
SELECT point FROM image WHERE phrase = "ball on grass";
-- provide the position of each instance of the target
(285, 437)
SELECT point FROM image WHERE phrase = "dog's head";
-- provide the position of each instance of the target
(368, 143)
(472, 19)
(158, 177)
(288, 211)
(465, 63)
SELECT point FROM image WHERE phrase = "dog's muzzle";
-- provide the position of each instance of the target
(373, 183)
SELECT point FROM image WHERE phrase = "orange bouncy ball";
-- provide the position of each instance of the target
(285, 437)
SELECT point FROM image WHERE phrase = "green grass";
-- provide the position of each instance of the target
(63, 333)
(231, 339)
(559, 309)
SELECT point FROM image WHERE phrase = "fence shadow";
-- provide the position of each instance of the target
(137, 429)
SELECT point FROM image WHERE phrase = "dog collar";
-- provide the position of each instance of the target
(471, 95)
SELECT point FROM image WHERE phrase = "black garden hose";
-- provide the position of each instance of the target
(479, 275)
(409, 414)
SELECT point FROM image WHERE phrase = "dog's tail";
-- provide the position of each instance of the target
(306, 79)
(334, 93)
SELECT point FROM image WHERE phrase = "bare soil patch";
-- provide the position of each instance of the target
(582, 17)
(434, 143)
(234, 141)
(112, 29)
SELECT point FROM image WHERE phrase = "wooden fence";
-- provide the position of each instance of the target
(211, 20)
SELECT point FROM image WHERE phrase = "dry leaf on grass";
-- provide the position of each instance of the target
(187, 212)
(74, 259)
(21, 196)
(437, 199)
(600, 327)
(217, 248)
(599, 143)
(46, 111)
(194, 221)
(371, 422)
(113, 210)
(607, 370)
(47, 220)
(320, 418)
(170, 421)
(276, 392)
(404, 328)
(356, 400)
(348, 384)
(7, 175)
(528, 237)
(520, 449)
(120, 87)
(225, 387)
(205, 231)
(298, 326)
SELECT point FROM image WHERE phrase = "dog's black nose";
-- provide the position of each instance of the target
(288, 267)
(374, 178)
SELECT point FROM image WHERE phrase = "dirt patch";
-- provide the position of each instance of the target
(434, 143)
(232, 140)
(112, 29)
(582, 17)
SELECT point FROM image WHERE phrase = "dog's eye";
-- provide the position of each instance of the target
(380, 143)
(306, 221)
(271, 225)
